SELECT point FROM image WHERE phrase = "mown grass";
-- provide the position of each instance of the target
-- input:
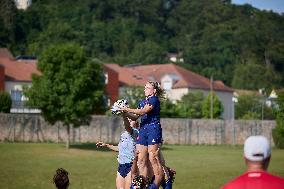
(32, 165)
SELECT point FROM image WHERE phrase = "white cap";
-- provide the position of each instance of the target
(257, 148)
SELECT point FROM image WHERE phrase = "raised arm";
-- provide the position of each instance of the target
(109, 146)
(126, 122)
(131, 116)
(147, 108)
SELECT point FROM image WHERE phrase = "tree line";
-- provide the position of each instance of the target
(240, 45)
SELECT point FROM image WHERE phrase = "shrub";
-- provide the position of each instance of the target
(5, 102)
(278, 131)
(217, 106)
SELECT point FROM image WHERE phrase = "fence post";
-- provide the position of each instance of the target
(14, 128)
(57, 124)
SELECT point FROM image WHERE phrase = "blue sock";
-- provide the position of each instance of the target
(153, 186)
(164, 184)
(169, 184)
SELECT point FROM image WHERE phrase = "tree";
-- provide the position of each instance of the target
(8, 13)
(248, 107)
(5, 102)
(217, 106)
(55, 33)
(133, 95)
(168, 109)
(147, 52)
(190, 105)
(254, 76)
(70, 87)
(251, 106)
(278, 132)
(215, 38)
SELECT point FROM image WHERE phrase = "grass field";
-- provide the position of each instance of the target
(32, 166)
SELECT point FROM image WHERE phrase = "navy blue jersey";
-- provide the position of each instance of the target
(154, 115)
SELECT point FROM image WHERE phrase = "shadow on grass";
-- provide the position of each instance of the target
(89, 146)
(93, 147)
(166, 148)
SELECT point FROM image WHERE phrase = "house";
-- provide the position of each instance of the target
(176, 80)
(14, 74)
(2, 78)
(111, 83)
(268, 98)
(175, 57)
(23, 4)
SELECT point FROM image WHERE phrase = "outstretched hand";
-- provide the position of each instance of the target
(101, 144)
(119, 106)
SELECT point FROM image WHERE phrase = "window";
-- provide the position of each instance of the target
(16, 96)
(167, 85)
(106, 78)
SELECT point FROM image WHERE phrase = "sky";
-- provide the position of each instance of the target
(274, 5)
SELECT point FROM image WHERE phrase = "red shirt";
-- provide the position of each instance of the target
(256, 180)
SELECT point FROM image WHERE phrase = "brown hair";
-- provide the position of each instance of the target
(159, 91)
(61, 179)
(140, 181)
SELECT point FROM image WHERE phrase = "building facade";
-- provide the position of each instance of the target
(176, 81)
(23, 4)
(14, 75)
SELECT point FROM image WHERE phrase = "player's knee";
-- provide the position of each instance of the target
(142, 159)
(153, 156)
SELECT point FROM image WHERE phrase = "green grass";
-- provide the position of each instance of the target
(32, 166)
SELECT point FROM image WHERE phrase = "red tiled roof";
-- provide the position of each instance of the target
(139, 75)
(17, 70)
(5, 53)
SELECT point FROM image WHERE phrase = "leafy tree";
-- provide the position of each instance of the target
(251, 116)
(70, 87)
(8, 12)
(5, 102)
(56, 33)
(147, 52)
(133, 95)
(190, 105)
(254, 76)
(217, 106)
(251, 106)
(4, 34)
(248, 107)
(168, 109)
(216, 38)
(278, 132)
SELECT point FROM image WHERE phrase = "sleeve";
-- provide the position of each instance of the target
(135, 132)
(153, 101)
(140, 104)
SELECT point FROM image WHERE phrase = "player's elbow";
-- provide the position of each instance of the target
(142, 112)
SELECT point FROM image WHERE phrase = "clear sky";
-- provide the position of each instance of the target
(274, 5)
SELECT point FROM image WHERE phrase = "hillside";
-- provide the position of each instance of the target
(240, 45)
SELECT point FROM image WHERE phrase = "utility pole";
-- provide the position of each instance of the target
(262, 93)
(211, 97)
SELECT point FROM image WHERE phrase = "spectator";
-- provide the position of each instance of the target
(61, 179)
(257, 153)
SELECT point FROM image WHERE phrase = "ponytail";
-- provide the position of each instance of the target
(159, 91)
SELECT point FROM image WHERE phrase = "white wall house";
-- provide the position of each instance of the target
(17, 74)
(23, 4)
(176, 81)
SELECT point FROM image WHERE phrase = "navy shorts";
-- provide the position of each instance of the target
(124, 169)
(150, 134)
